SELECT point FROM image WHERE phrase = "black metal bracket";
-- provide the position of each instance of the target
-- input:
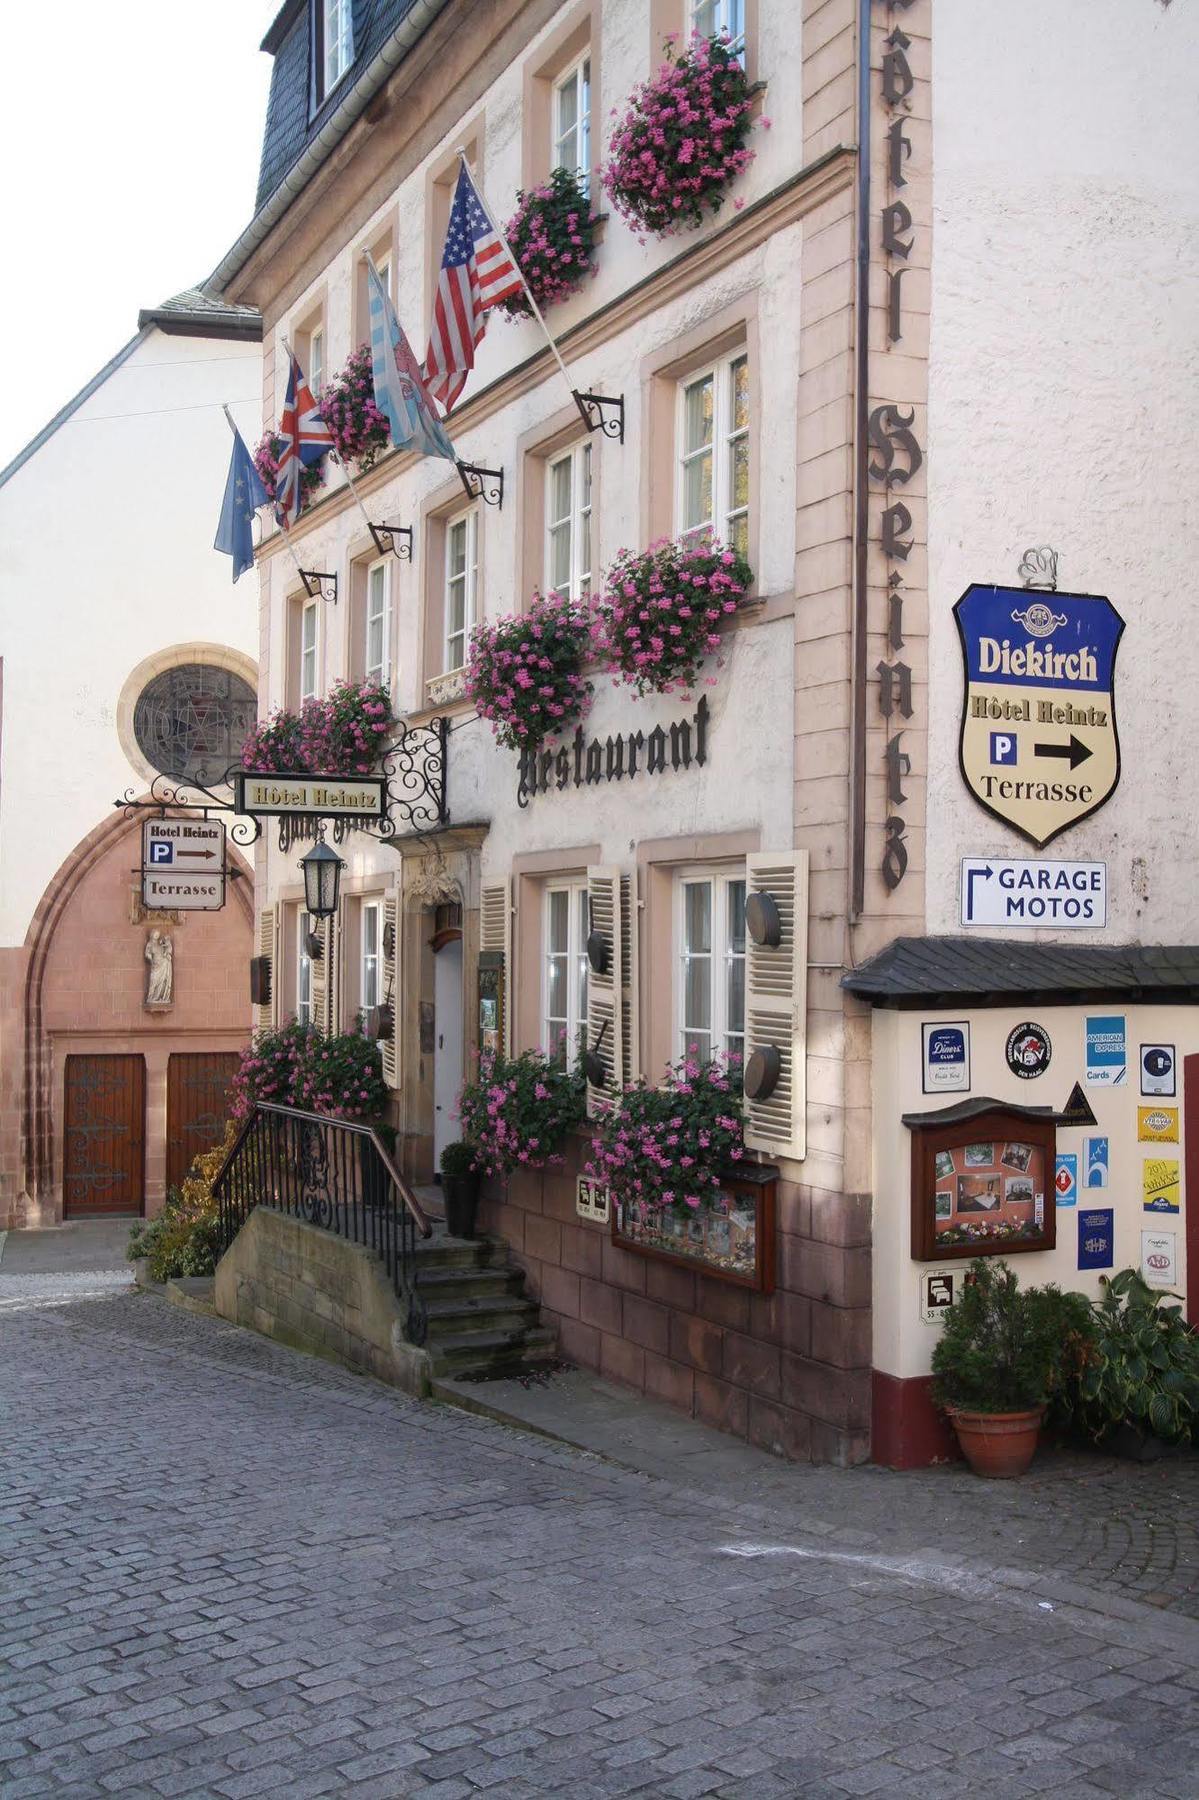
(195, 797)
(396, 538)
(319, 584)
(482, 484)
(591, 410)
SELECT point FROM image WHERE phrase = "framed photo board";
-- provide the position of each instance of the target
(982, 1181)
(730, 1237)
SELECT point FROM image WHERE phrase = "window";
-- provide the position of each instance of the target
(572, 122)
(333, 47)
(710, 18)
(376, 665)
(371, 935)
(316, 359)
(190, 722)
(568, 523)
(461, 584)
(564, 995)
(304, 927)
(713, 437)
(308, 638)
(710, 932)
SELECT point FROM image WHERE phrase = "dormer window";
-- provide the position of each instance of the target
(333, 45)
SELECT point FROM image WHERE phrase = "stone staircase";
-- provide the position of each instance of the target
(481, 1321)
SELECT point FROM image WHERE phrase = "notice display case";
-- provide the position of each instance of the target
(730, 1237)
(982, 1180)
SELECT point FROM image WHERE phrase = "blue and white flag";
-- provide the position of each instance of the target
(244, 494)
(400, 391)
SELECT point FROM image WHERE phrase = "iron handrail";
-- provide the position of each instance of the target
(333, 1173)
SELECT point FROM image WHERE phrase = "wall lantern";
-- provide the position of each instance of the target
(762, 920)
(322, 877)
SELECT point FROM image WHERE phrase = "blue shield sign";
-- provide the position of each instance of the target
(1038, 746)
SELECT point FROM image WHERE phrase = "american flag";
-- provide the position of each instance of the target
(306, 438)
(477, 272)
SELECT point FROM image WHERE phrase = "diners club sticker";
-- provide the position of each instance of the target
(1028, 1050)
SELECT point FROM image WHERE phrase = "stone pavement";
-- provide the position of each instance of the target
(232, 1570)
(63, 1262)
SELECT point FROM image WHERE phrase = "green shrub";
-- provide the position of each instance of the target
(1146, 1369)
(458, 1160)
(1007, 1348)
(185, 1237)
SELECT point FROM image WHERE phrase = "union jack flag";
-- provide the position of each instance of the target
(306, 438)
(477, 272)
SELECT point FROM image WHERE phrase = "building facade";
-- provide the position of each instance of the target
(126, 656)
(797, 374)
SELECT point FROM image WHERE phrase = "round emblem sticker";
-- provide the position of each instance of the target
(1028, 1050)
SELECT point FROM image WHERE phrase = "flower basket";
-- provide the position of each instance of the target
(660, 611)
(341, 1076)
(552, 236)
(267, 456)
(343, 734)
(360, 432)
(682, 141)
(524, 674)
(520, 1111)
(664, 1147)
(273, 747)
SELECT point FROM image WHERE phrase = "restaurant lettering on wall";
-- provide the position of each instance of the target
(585, 762)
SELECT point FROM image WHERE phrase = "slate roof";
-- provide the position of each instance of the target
(202, 315)
(929, 971)
(288, 126)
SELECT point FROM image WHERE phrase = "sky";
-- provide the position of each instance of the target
(129, 139)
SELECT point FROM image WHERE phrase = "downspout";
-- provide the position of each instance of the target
(858, 638)
(335, 128)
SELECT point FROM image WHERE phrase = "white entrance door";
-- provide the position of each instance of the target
(448, 1045)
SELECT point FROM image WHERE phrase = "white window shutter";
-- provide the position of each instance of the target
(630, 1017)
(495, 940)
(776, 982)
(606, 1028)
(389, 983)
(266, 1015)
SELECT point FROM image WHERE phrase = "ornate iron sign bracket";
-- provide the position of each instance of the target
(319, 584)
(482, 484)
(171, 796)
(396, 538)
(591, 410)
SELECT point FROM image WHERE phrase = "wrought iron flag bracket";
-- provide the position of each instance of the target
(482, 484)
(396, 538)
(595, 418)
(1038, 568)
(167, 796)
(319, 584)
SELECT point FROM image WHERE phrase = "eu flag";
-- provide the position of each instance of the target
(244, 494)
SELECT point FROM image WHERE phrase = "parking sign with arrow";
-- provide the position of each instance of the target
(183, 864)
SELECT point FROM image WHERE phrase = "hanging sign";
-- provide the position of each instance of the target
(1159, 1264)
(323, 796)
(1095, 1235)
(183, 865)
(1157, 1124)
(1160, 1184)
(947, 1058)
(1018, 891)
(1157, 1069)
(1107, 1050)
(1038, 746)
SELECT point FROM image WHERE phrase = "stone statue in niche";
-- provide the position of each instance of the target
(160, 955)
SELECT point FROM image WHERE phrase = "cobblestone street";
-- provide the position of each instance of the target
(232, 1570)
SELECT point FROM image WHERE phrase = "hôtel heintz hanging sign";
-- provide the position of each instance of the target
(1038, 746)
(324, 796)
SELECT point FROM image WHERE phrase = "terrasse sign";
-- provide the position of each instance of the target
(586, 762)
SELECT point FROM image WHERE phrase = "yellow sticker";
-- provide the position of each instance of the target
(1157, 1124)
(1160, 1177)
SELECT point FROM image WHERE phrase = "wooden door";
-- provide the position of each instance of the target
(197, 1106)
(104, 1136)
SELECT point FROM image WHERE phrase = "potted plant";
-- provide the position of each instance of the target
(520, 1111)
(524, 674)
(360, 432)
(659, 615)
(268, 454)
(552, 235)
(666, 1146)
(460, 1187)
(1005, 1351)
(1139, 1394)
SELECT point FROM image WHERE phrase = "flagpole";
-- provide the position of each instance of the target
(537, 313)
(344, 467)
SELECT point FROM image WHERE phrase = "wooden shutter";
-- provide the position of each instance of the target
(266, 1013)
(389, 983)
(776, 981)
(495, 947)
(326, 977)
(612, 1022)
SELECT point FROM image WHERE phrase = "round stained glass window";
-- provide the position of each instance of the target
(191, 722)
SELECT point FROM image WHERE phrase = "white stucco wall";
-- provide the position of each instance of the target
(106, 558)
(1064, 357)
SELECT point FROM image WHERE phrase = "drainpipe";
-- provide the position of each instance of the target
(355, 103)
(857, 742)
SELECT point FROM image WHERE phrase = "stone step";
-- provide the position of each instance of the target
(444, 1252)
(461, 1282)
(477, 1352)
(482, 1312)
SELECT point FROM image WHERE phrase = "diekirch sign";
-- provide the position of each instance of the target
(1038, 746)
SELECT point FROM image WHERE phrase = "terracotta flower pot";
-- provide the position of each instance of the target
(998, 1445)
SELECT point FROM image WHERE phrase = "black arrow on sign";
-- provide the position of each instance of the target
(1075, 750)
(209, 854)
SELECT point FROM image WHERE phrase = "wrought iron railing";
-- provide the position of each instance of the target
(333, 1173)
